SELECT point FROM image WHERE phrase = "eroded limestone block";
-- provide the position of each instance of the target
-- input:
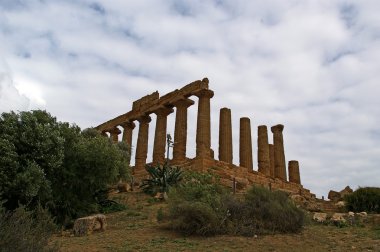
(87, 225)
(334, 196)
(340, 204)
(339, 217)
(320, 217)
(123, 187)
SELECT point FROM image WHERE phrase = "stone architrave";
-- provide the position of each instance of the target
(142, 144)
(279, 153)
(203, 137)
(245, 150)
(160, 135)
(271, 158)
(180, 129)
(225, 135)
(294, 172)
(263, 157)
(115, 134)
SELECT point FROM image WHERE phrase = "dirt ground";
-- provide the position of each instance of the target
(136, 229)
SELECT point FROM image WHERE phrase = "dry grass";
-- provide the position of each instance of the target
(137, 229)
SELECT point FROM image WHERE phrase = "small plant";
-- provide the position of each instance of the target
(23, 230)
(364, 199)
(162, 177)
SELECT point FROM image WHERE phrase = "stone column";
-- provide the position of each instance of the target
(127, 136)
(225, 135)
(160, 135)
(245, 150)
(271, 156)
(203, 138)
(180, 130)
(294, 172)
(115, 134)
(279, 153)
(142, 145)
(263, 158)
(127, 133)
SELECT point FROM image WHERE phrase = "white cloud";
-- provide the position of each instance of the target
(311, 65)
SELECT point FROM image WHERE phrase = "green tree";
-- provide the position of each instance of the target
(55, 164)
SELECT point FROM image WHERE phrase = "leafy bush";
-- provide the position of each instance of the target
(162, 177)
(195, 205)
(195, 218)
(23, 230)
(200, 205)
(54, 164)
(263, 211)
(364, 199)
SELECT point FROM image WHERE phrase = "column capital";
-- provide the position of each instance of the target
(277, 128)
(128, 124)
(205, 93)
(114, 130)
(183, 103)
(164, 111)
(144, 119)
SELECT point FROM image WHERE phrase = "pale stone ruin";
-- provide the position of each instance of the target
(271, 170)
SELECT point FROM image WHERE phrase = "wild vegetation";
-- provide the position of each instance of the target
(162, 178)
(364, 199)
(54, 165)
(202, 206)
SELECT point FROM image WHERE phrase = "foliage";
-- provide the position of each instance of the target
(364, 199)
(195, 205)
(200, 205)
(52, 163)
(263, 211)
(23, 230)
(162, 178)
(111, 206)
(195, 218)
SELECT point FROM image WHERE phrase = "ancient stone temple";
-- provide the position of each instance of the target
(271, 169)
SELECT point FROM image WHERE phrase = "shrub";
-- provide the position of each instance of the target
(162, 177)
(23, 230)
(195, 218)
(364, 199)
(262, 212)
(195, 205)
(200, 206)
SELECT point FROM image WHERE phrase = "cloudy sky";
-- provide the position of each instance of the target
(310, 65)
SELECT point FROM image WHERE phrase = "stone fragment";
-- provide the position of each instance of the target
(334, 196)
(338, 218)
(346, 191)
(123, 187)
(320, 217)
(87, 225)
(340, 204)
(362, 214)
